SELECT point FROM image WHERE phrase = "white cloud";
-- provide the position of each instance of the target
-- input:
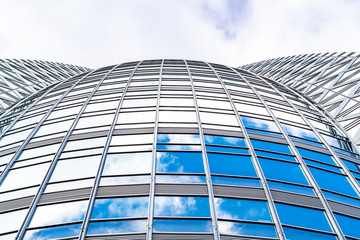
(97, 33)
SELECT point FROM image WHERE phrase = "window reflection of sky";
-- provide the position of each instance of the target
(232, 181)
(252, 229)
(275, 147)
(128, 163)
(231, 164)
(225, 141)
(179, 162)
(180, 179)
(59, 213)
(53, 232)
(120, 207)
(112, 227)
(299, 234)
(182, 206)
(349, 225)
(177, 225)
(242, 209)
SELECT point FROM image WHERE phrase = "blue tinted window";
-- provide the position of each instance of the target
(341, 198)
(245, 182)
(302, 217)
(290, 188)
(263, 132)
(284, 171)
(259, 124)
(297, 234)
(332, 181)
(350, 226)
(180, 179)
(112, 227)
(71, 230)
(250, 229)
(321, 165)
(242, 209)
(351, 165)
(275, 147)
(306, 141)
(174, 225)
(231, 165)
(316, 156)
(227, 150)
(120, 207)
(179, 162)
(275, 155)
(182, 206)
(178, 138)
(226, 141)
(299, 132)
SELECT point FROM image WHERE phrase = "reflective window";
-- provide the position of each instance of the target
(180, 179)
(251, 229)
(242, 209)
(332, 181)
(177, 225)
(299, 234)
(71, 230)
(105, 181)
(58, 213)
(120, 207)
(182, 206)
(275, 147)
(69, 169)
(290, 188)
(225, 141)
(299, 216)
(231, 164)
(316, 156)
(178, 138)
(288, 172)
(127, 163)
(113, 227)
(12, 220)
(232, 181)
(179, 162)
(349, 225)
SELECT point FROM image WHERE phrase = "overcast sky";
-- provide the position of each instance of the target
(233, 32)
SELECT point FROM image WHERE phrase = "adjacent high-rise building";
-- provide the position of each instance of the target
(331, 80)
(175, 149)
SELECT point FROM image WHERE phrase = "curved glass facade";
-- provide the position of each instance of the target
(175, 149)
(330, 79)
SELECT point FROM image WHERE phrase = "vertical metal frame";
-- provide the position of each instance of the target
(153, 166)
(86, 220)
(52, 166)
(33, 132)
(205, 160)
(304, 167)
(275, 216)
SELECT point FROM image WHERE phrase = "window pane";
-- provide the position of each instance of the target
(252, 229)
(231, 165)
(179, 162)
(297, 234)
(226, 141)
(178, 138)
(275, 147)
(120, 207)
(113, 227)
(12, 220)
(242, 209)
(245, 182)
(170, 225)
(284, 171)
(182, 206)
(127, 163)
(180, 179)
(54, 232)
(59, 213)
(350, 226)
(302, 217)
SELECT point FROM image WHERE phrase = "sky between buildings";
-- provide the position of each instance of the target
(233, 32)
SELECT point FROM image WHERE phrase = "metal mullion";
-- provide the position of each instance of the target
(153, 166)
(205, 160)
(85, 224)
(52, 166)
(303, 165)
(270, 200)
(33, 132)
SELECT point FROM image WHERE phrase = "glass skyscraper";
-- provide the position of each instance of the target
(175, 149)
